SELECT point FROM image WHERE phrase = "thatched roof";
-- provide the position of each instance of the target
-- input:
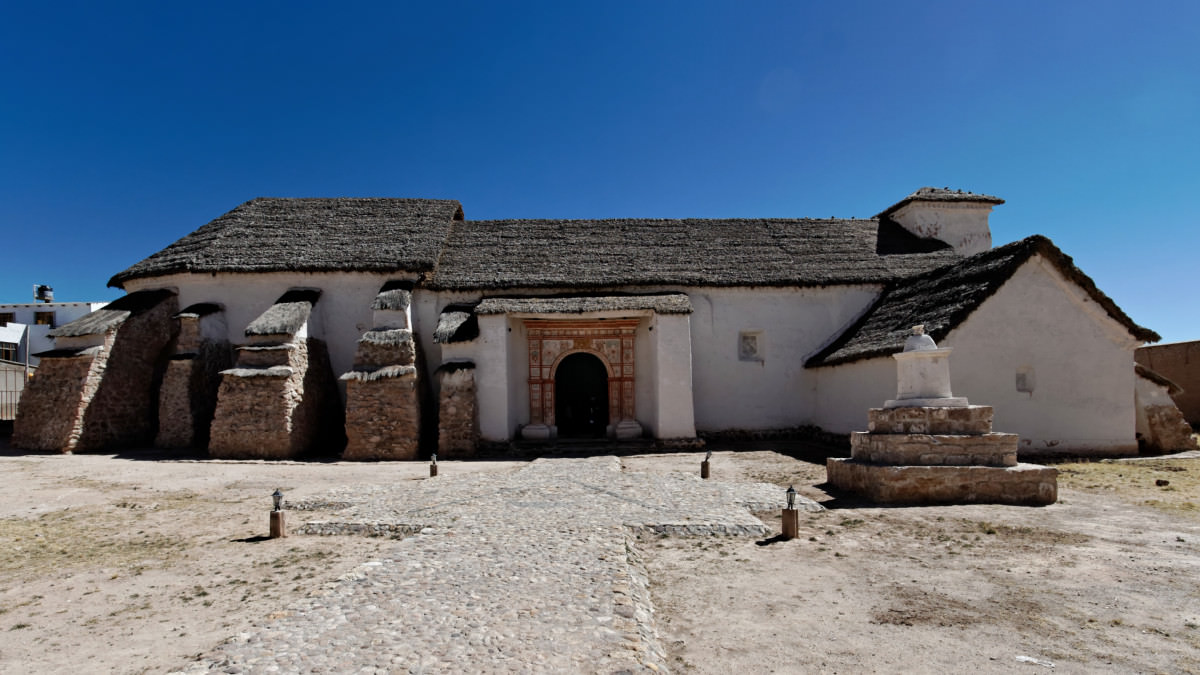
(395, 295)
(199, 309)
(383, 373)
(1158, 378)
(387, 338)
(69, 353)
(455, 366)
(310, 235)
(667, 303)
(943, 298)
(112, 315)
(425, 236)
(690, 252)
(456, 323)
(932, 194)
(287, 315)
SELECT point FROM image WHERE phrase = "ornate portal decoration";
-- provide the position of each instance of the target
(610, 340)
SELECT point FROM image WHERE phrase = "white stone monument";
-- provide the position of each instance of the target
(923, 375)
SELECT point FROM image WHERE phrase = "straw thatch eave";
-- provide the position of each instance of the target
(287, 315)
(113, 314)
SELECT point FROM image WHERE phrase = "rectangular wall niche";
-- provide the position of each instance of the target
(610, 340)
(750, 345)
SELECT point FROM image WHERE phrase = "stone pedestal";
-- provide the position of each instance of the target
(791, 524)
(278, 525)
(930, 447)
(627, 429)
(929, 455)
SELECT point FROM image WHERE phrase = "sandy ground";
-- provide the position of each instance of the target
(136, 563)
(1106, 580)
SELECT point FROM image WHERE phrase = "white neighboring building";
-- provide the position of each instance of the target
(33, 321)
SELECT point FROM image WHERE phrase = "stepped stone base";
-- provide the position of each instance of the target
(1020, 485)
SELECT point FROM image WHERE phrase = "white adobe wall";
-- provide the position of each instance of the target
(1039, 329)
(847, 391)
(672, 412)
(1076, 359)
(339, 318)
(793, 323)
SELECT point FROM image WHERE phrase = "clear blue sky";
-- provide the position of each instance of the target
(124, 126)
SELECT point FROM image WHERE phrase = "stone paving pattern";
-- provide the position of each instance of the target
(532, 571)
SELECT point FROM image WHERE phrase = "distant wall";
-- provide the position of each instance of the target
(1180, 363)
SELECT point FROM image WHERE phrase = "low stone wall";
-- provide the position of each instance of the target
(458, 426)
(277, 412)
(1168, 430)
(188, 396)
(50, 417)
(1020, 485)
(383, 415)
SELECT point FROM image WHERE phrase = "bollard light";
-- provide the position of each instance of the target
(278, 526)
(432, 464)
(433, 458)
(790, 518)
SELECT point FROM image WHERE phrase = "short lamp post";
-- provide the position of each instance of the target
(432, 465)
(278, 526)
(791, 517)
(704, 464)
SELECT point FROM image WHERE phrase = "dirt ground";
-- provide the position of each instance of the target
(138, 562)
(1106, 580)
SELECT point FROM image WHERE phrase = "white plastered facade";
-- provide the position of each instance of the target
(1057, 369)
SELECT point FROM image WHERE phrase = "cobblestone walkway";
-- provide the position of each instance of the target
(531, 571)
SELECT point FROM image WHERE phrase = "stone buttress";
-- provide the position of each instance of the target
(281, 399)
(458, 421)
(188, 395)
(96, 390)
(930, 447)
(383, 397)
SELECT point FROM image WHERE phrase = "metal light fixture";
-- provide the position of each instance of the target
(708, 455)
(277, 499)
(791, 498)
(433, 458)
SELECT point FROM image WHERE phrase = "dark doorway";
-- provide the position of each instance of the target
(581, 397)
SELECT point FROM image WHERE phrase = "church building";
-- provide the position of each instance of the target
(394, 327)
